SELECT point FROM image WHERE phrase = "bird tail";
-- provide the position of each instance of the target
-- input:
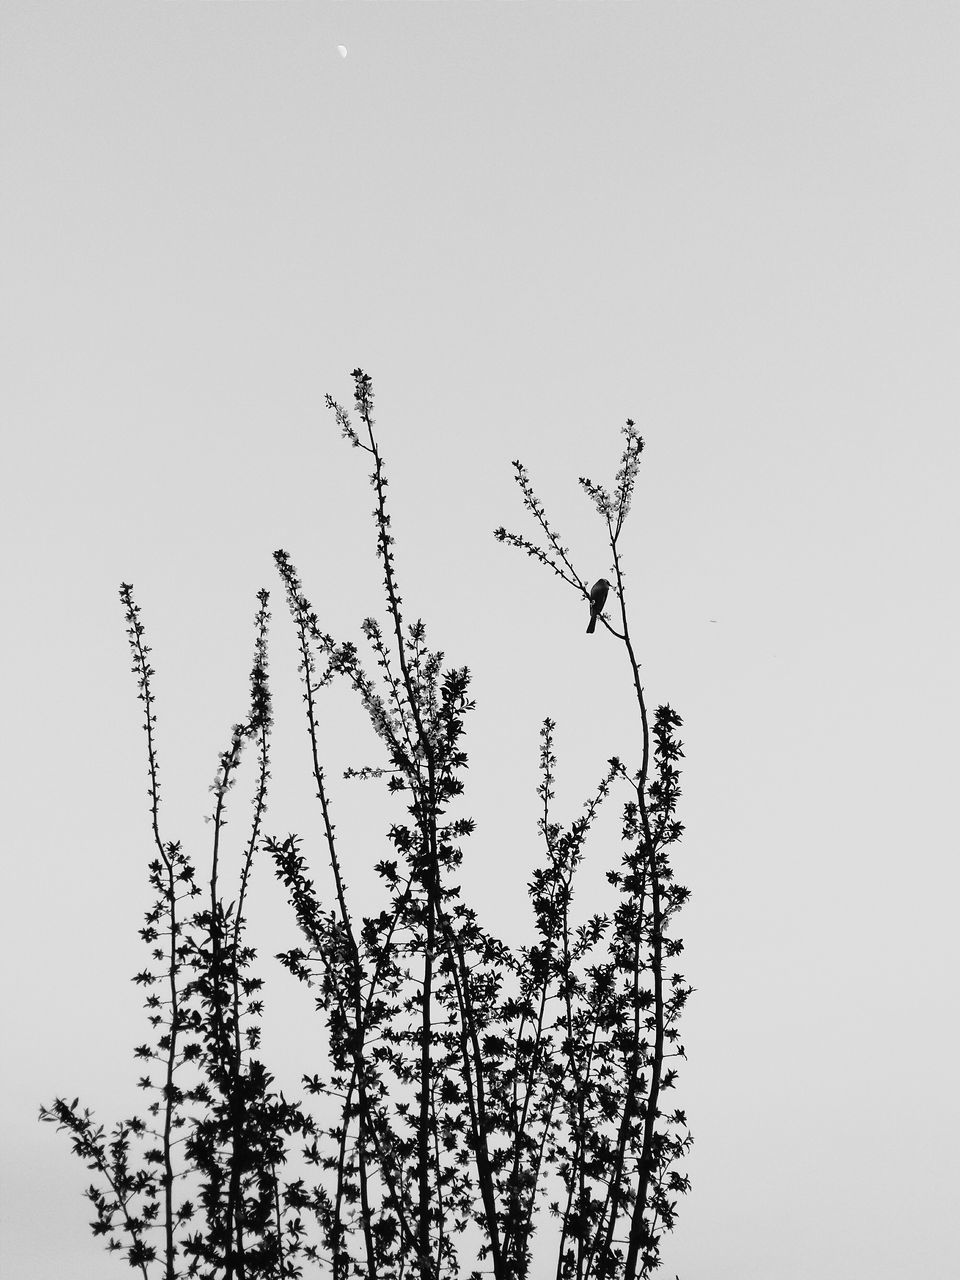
(592, 624)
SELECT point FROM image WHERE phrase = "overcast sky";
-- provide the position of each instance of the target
(734, 221)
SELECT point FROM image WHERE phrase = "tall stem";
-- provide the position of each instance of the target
(167, 857)
(637, 1225)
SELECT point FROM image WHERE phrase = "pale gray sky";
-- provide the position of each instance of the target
(733, 221)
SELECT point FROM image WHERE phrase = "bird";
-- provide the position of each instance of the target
(598, 598)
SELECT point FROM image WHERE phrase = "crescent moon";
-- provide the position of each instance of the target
(342, 50)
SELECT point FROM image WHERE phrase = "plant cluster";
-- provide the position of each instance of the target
(478, 1093)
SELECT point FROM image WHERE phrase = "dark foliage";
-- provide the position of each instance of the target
(477, 1093)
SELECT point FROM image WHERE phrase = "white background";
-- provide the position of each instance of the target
(735, 222)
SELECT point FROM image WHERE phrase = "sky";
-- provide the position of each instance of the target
(734, 222)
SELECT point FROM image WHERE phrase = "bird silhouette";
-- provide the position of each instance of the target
(598, 598)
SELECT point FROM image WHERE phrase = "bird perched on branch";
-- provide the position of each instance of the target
(598, 598)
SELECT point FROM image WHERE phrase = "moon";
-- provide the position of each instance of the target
(342, 50)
